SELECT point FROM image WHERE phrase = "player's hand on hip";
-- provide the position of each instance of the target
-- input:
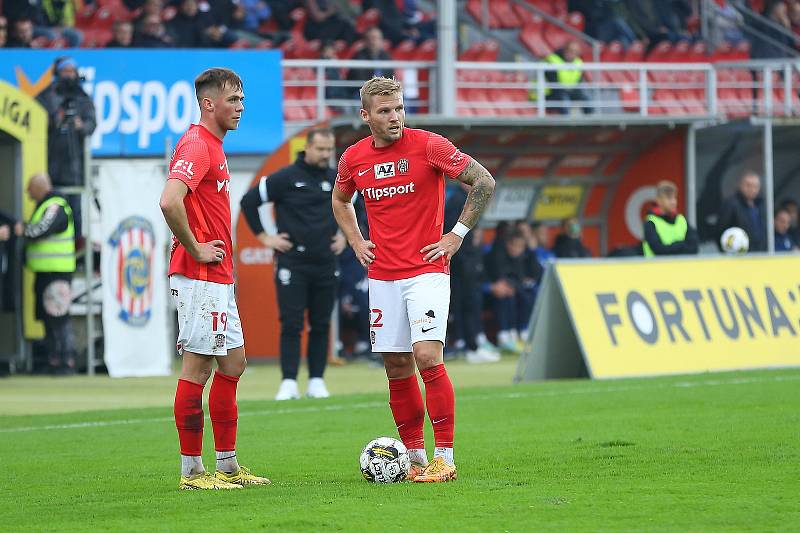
(447, 248)
(210, 252)
(363, 251)
(278, 242)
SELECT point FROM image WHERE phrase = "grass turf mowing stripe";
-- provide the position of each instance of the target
(462, 397)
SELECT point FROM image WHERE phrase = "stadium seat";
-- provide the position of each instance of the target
(612, 52)
(475, 8)
(40, 42)
(661, 53)
(575, 20)
(635, 52)
(555, 8)
(556, 37)
(426, 51)
(404, 51)
(531, 37)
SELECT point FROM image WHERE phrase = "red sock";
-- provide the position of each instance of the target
(189, 417)
(405, 399)
(441, 402)
(223, 411)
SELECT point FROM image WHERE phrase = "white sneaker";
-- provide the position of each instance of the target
(482, 355)
(288, 390)
(317, 388)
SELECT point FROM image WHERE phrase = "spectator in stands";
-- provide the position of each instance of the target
(247, 19)
(152, 34)
(21, 33)
(794, 210)
(784, 242)
(512, 276)
(567, 80)
(568, 242)
(333, 75)
(768, 43)
(539, 243)
(281, 10)
(727, 23)
(392, 22)
(187, 28)
(745, 210)
(326, 24)
(659, 20)
(51, 19)
(417, 28)
(794, 15)
(666, 232)
(71, 119)
(3, 31)
(374, 50)
(122, 35)
(466, 302)
(603, 20)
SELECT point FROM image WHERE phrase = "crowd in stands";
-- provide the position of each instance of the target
(207, 23)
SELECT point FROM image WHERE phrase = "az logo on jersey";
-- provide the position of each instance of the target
(384, 170)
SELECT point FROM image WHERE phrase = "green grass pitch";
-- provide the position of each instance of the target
(716, 452)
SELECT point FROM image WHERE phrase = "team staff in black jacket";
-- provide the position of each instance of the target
(307, 244)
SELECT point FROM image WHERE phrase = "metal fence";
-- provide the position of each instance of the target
(315, 90)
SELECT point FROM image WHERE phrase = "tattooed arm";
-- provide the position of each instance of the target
(481, 190)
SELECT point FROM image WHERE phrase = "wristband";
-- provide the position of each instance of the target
(460, 229)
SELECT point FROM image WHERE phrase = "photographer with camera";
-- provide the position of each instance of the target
(71, 119)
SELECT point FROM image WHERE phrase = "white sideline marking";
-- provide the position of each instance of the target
(371, 405)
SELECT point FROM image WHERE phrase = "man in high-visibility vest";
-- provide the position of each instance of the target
(567, 80)
(666, 232)
(50, 253)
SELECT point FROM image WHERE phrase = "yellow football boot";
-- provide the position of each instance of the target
(242, 477)
(205, 481)
(437, 471)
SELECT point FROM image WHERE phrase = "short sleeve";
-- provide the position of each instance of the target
(344, 180)
(445, 157)
(274, 186)
(190, 163)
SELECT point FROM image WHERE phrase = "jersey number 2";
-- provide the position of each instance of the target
(377, 322)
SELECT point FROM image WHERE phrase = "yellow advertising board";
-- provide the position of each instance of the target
(556, 202)
(24, 119)
(680, 316)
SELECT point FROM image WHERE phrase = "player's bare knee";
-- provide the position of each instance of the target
(428, 354)
(398, 366)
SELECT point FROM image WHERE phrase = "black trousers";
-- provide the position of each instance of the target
(466, 302)
(305, 287)
(53, 299)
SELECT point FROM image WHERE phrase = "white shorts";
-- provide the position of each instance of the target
(406, 311)
(208, 319)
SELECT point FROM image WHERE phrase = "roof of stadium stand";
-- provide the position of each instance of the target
(587, 150)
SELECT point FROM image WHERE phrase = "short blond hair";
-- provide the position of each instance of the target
(379, 86)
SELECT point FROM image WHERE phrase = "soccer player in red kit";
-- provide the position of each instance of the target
(197, 207)
(400, 173)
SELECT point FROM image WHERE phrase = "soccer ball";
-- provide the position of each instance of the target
(734, 241)
(385, 460)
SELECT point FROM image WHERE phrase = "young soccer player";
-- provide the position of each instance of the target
(197, 207)
(400, 172)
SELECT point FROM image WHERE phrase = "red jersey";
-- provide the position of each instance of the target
(200, 163)
(403, 189)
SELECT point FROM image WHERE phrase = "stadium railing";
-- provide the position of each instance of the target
(723, 90)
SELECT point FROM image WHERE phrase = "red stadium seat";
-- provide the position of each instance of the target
(576, 20)
(426, 51)
(556, 8)
(531, 37)
(661, 53)
(404, 51)
(556, 37)
(612, 52)
(505, 14)
(475, 8)
(635, 52)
